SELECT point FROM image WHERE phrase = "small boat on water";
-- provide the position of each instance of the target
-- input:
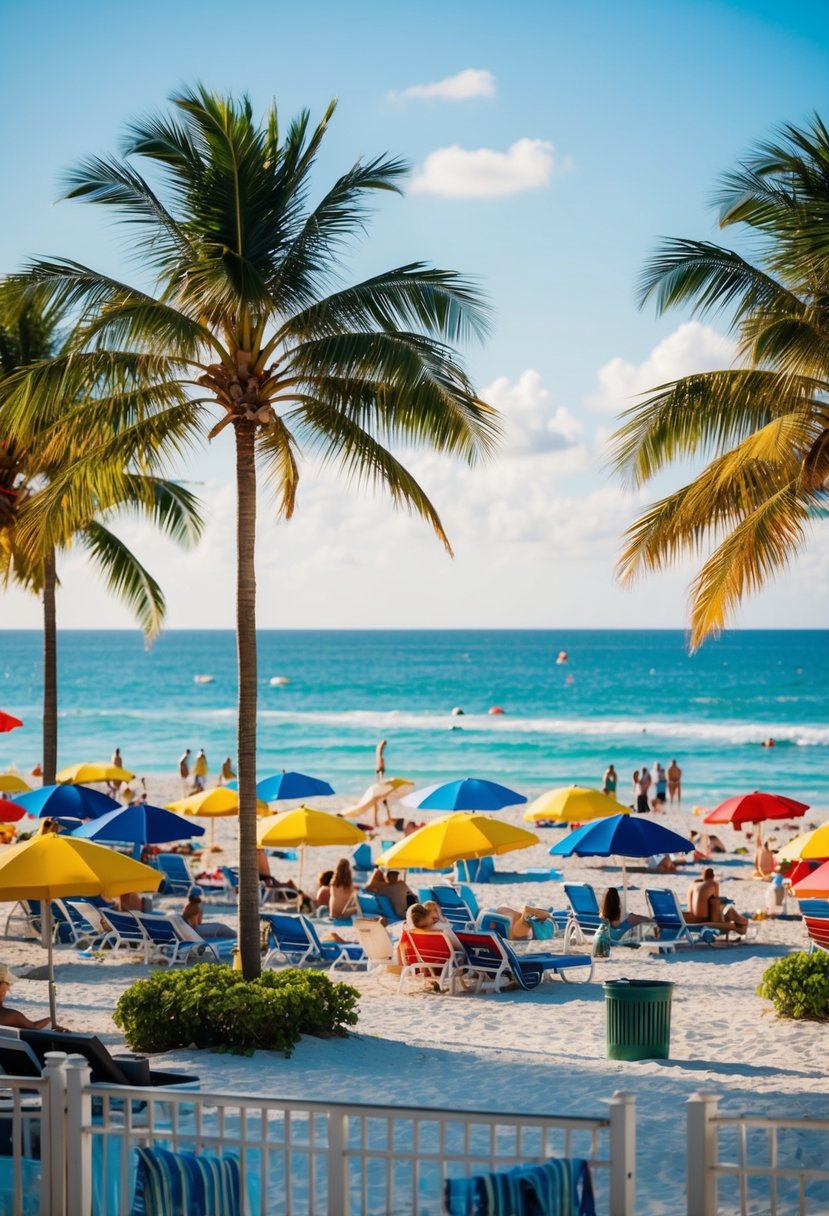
(279, 681)
(202, 679)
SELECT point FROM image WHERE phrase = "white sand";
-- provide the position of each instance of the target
(529, 1052)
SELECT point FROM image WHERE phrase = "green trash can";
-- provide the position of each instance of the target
(638, 1019)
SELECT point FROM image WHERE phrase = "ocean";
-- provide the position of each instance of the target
(326, 698)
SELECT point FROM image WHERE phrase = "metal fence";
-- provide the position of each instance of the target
(751, 1164)
(296, 1158)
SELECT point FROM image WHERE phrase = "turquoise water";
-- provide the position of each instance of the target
(626, 697)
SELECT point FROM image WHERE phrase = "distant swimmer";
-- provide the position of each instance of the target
(563, 656)
(496, 709)
(457, 711)
(768, 742)
(674, 776)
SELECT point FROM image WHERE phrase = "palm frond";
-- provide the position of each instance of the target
(125, 577)
(279, 453)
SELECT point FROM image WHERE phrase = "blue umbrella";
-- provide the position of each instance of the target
(288, 785)
(621, 836)
(139, 825)
(470, 794)
(68, 801)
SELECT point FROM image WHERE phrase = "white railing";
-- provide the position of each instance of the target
(301, 1158)
(755, 1163)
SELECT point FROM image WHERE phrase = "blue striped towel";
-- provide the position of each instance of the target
(555, 1188)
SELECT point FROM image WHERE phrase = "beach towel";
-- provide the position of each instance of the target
(555, 1188)
(186, 1184)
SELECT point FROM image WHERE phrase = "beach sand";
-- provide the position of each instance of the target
(537, 1052)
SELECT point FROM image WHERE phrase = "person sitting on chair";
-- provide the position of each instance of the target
(193, 913)
(706, 908)
(13, 1017)
(343, 900)
(611, 910)
(391, 885)
(323, 888)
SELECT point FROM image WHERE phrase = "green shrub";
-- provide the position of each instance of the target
(216, 1007)
(799, 986)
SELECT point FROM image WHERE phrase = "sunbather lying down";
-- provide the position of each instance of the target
(521, 923)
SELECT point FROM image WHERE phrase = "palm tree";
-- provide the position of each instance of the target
(763, 424)
(28, 554)
(250, 326)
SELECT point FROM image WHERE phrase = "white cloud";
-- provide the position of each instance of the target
(471, 82)
(456, 172)
(692, 347)
(531, 423)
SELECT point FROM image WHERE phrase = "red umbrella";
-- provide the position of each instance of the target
(754, 808)
(801, 871)
(7, 722)
(816, 886)
(10, 812)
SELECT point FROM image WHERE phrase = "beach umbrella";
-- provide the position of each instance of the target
(816, 886)
(68, 801)
(621, 836)
(304, 828)
(10, 812)
(212, 804)
(7, 722)
(456, 837)
(468, 794)
(755, 808)
(282, 786)
(11, 783)
(808, 846)
(53, 867)
(390, 789)
(139, 825)
(573, 804)
(79, 774)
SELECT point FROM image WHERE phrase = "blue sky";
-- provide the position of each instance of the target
(552, 144)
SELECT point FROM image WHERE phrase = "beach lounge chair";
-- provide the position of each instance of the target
(361, 862)
(220, 947)
(25, 912)
(88, 933)
(123, 932)
(293, 941)
(373, 904)
(585, 917)
(482, 870)
(458, 904)
(492, 959)
(378, 945)
(163, 943)
(92, 915)
(177, 876)
(672, 925)
(107, 1069)
(815, 913)
(429, 955)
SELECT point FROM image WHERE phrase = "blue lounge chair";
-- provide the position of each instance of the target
(177, 877)
(672, 925)
(458, 904)
(163, 942)
(492, 958)
(293, 941)
(482, 869)
(123, 932)
(361, 862)
(86, 934)
(371, 903)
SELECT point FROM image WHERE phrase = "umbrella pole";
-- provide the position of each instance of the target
(50, 965)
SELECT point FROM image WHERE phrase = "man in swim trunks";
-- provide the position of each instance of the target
(609, 781)
(642, 804)
(674, 783)
(705, 906)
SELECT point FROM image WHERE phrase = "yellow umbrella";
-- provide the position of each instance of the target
(212, 803)
(456, 837)
(573, 804)
(305, 827)
(10, 783)
(81, 774)
(807, 846)
(51, 867)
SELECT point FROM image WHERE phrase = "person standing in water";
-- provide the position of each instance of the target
(674, 783)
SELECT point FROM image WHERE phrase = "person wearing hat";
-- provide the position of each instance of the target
(13, 1017)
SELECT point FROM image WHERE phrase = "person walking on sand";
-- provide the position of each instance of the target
(184, 769)
(609, 781)
(200, 771)
(117, 762)
(380, 760)
(674, 783)
(660, 780)
(642, 804)
(227, 773)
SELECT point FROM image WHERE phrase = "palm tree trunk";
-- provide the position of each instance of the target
(249, 935)
(50, 673)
